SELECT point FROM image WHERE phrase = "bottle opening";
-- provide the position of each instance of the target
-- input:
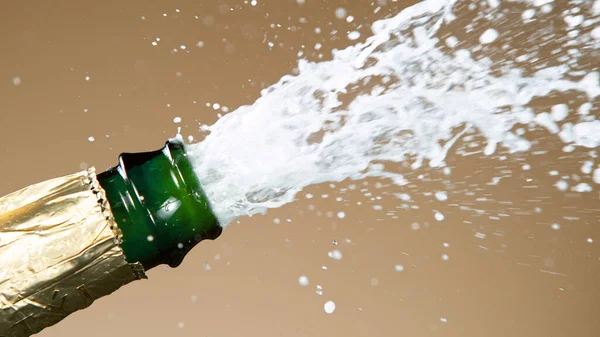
(159, 205)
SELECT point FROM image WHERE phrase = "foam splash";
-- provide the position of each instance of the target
(405, 94)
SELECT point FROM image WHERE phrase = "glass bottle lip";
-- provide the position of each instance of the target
(159, 205)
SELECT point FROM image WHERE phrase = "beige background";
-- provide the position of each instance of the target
(522, 279)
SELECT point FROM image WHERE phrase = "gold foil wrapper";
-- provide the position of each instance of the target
(59, 252)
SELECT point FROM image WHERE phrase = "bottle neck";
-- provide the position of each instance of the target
(159, 205)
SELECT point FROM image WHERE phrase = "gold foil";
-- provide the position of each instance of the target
(59, 252)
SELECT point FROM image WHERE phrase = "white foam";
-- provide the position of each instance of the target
(299, 133)
(587, 166)
(574, 20)
(585, 108)
(441, 196)
(544, 119)
(528, 14)
(562, 185)
(560, 112)
(493, 3)
(537, 3)
(596, 176)
(354, 35)
(582, 188)
(595, 33)
(587, 134)
(547, 8)
(451, 41)
(488, 36)
(336, 255)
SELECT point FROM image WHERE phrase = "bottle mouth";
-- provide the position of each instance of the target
(159, 205)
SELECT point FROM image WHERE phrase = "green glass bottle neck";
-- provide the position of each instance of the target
(159, 205)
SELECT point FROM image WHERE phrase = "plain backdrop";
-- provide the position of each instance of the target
(71, 70)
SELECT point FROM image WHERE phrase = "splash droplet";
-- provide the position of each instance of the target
(303, 280)
(329, 307)
(488, 36)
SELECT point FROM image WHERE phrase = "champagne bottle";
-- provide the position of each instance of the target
(68, 241)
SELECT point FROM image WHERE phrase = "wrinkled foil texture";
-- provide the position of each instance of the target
(59, 252)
